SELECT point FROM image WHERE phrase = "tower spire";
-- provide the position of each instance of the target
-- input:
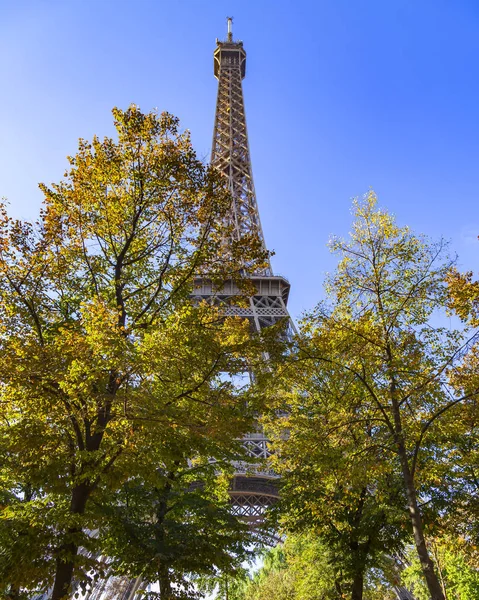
(230, 149)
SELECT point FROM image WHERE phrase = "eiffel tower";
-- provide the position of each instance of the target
(253, 487)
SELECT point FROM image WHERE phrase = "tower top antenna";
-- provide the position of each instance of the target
(229, 20)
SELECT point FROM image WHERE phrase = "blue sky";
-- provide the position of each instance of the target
(340, 96)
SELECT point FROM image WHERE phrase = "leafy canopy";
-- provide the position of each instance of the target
(105, 362)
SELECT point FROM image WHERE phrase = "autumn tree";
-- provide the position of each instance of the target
(377, 335)
(458, 571)
(173, 525)
(464, 296)
(300, 568)
(272, 580)
(335, 484)
(104, 358)
(458, 483)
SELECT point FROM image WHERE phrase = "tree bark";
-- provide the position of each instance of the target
(161, 511)
(65, 566)
(164, 581)
(359, 551)
(427, 565)
(64, 570)
(357, 587)
(80, 494)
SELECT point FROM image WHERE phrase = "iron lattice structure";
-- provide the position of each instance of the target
(230, 149)
(253, 488)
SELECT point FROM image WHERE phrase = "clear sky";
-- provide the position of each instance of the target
(341, 96)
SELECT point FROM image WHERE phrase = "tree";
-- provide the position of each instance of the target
(376, 334)
(103, 355)
(273, 580)
(459, 575)
(334, 480)
(464, 296)
(173, 527)
(226, 585)
(301, 569)
(459, 477)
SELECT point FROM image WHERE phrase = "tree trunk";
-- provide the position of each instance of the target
(161, 511)
(80, 494)
(64, 570)
(358, 584)
(65, 561)
(359, 551)
(165, 584)
(427, 565)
